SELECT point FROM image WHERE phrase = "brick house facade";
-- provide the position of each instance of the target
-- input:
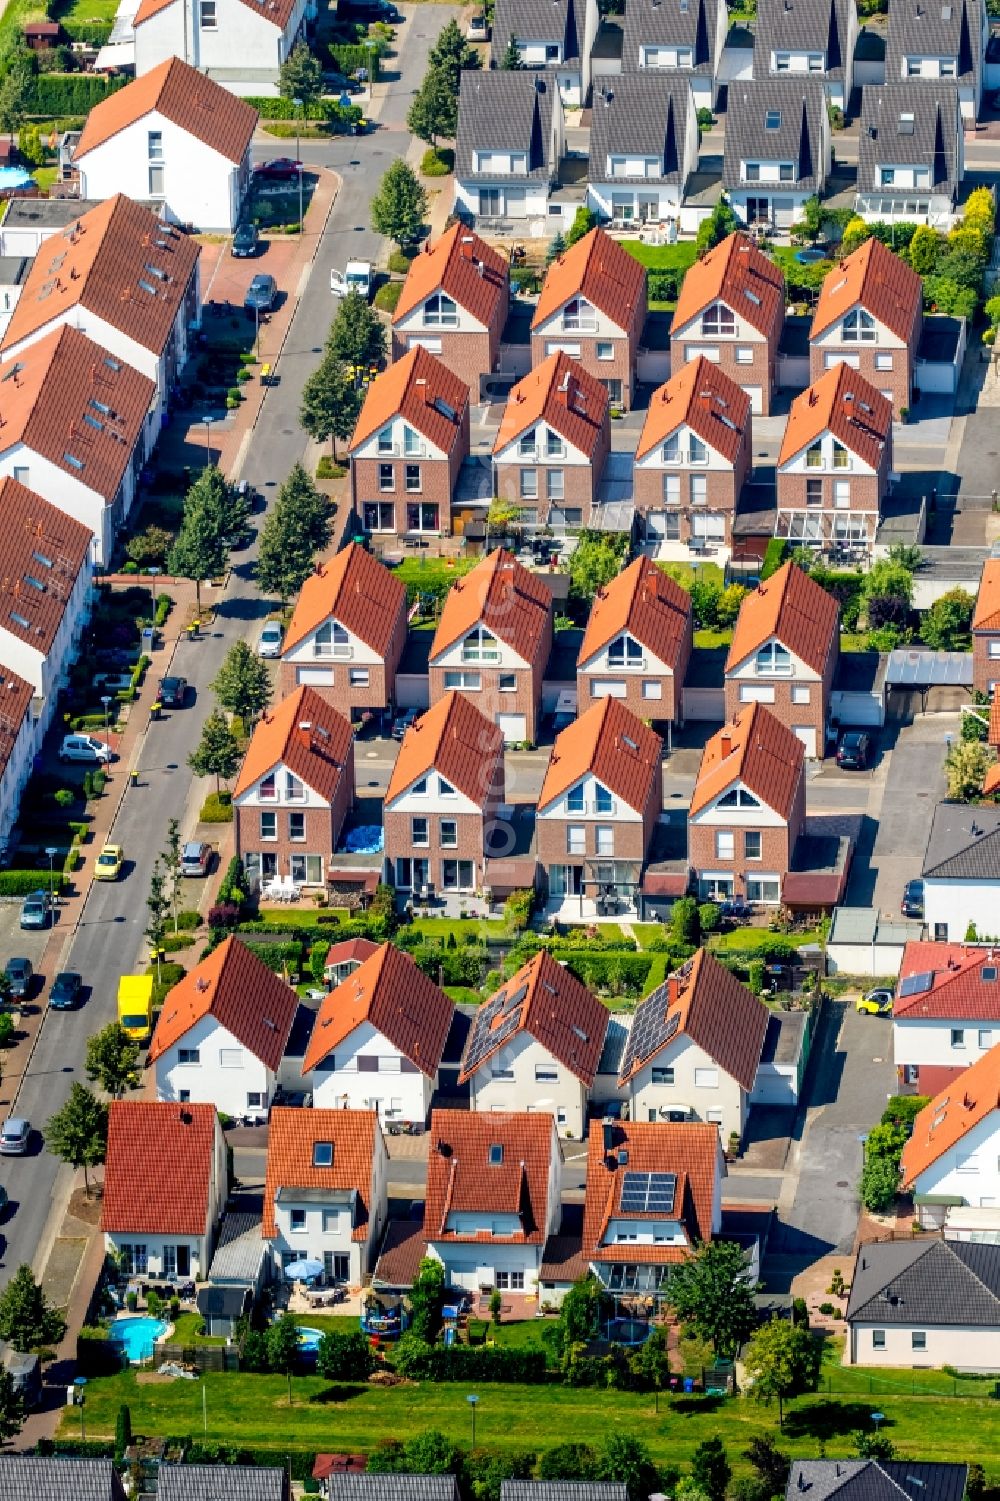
(986, 630)
(637, 644)
(870, 315)
(553, 444)
(454, 303)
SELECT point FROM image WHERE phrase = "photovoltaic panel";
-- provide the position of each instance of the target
(648, 1193)
(916, 984)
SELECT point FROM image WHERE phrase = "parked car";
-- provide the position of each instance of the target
(20, 974)
(65, 992)
(15, 1135)
(912, 904)
(279, 168)
(108, 866)
(370, 10)
(261, 293)
(196, 859)
(271, 638)
(83, 748)
(172, 692)
(36, 910)
(875, 1003)
(339, 83)
(246, 241)
(854, 750)
(402, 723)
(478, 30)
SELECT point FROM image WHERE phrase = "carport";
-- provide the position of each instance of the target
(926, 682)
(862, 942)
(858, 694)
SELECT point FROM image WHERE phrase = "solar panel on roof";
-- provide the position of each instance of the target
(652, 1029)
(495, 1023)
(917, 984)
(648, 1193)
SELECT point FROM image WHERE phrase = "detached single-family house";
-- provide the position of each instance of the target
(911, 153)
(347, 634)
(222, 1032)
(654, 1193)
(77, 425)
(870, 315)
(643, 147)
(946, 1013)
(637, 643)
(493, 1197)
(535, 1045)
(784, 654)
(778, 149)
(53, 1477)
(346, 1485)
(183, 1482)
(748, 808)
(408, 446)
(454, 304)
(493, 640)
(173, 137)
(986, 630)
(952, 1156)
(383, 1028)
(45, 580)
(19, 741)
(694, 1047)
(923, 1303)
(443, 799)
(508, 147)
(961, 872)
(873, 1479)
(597, 810)
(325, 1190)
(805, 39)
(344, 958)
(593, 308)
(731, 311)
(554, 34)
(294, 790)
(937, 43)
(243, 43)
(553, 443)
(693, 456)
(835, 462)
(556, 1490)
(682, 37)
(165, 1187)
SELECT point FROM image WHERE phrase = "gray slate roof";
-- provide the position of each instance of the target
(670, 23)
(801, 105)
(799, 26)
(934, 28)
(221, 1483)
(45, 1478)
(640, 114)
(539, 21)
(562, 1490)
(868, 1480)
(349, 1487)
(933, 1282)
(501, 111)
(883, 139)
(964, 843)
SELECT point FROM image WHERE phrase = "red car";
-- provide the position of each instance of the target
(279, 168)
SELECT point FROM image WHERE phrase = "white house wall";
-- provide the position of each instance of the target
(621, 812)
(507, 659)
(356, 653)
(654, 460)
(20, 758)
(433, 800)
(370, 449)
(396, 1095)
(965, 1349)
(952, 905)
(724, 1103)
(228, 1085)
(564, 1097)
(240, 40)
(970, 1170)
(49, 673)
(928, 1041)
(761, 817)
(69, 495)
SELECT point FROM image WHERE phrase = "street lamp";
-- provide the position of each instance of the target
(208, 440)
(106, 701)
(51, 852)
(473, 1401)
(298, 154)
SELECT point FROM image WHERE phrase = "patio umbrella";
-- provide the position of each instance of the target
(303, 1270)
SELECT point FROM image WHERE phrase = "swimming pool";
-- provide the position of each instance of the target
(809, 257)
(309, 1339)
(623, 1331)
(13, 177)
(137, 1336)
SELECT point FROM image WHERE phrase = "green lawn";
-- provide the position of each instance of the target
(645, 932)
(186, 1331)
(438, 928)
(713, 640)
(661, 257)
(86, 10)
(302, 916)
(685, 573)
(463, 995)
(752, 938)
(853, 641)
(424, 575)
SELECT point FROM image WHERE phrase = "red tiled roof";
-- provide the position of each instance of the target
(397, 999)
(742, 277)
(358, 949)
(791, 606)
(242, 994)
(956, 986)
(326, 1465)
(648, 604)
(563, 1259)
(462, 266)
(194, 102)
(993, 733)
(704, 397)
(15, 702)
(462, 1180)
(277, 12)
(562, 394)
(41, 554)
(291, 1137)
(456, 740)
(555, 1008)
(951, 1115)
(623, 753)
(355, 590)
(987, 612)
(843, 403)
(403, 1249)
(690, 1151)
(757, 750)
(598, 269)
(159, 1168)
(308, 737)
(502, 595)
(878, 281)
(421, 389)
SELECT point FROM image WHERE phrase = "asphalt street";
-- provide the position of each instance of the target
(109, 941)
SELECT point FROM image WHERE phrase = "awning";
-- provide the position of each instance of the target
(942, 1201)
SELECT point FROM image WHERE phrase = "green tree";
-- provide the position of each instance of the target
(948, 623)
(149, 548)
(579, 1316)
(597, 559)
(309, 510)
(452, 55)
(873, 1446)
(123, 1431)
(770, 1466)
(711, 1293)
(685, 921)
(486, 1470)
(171, 858)
(879, 1182)
(427, 1300)
(729, 603)
(511, 62)
(720, 223)
(113, 1060)
(569, 1461)
(399, 208)
(555, 248)
(345, 1357)
(924, 250)
(301, 76)
(781, 1360)
(243, 683)
(331, 403)
(357, 333)
(27, 1320)
(584, 220)
(200, 550)
(433, 113)
(16, 78)
(78, 1133)
(284, 1349)
(626, 1459)
(965, 768)
(431, 1453)
(157, 905)
(855, 234)
(888, 580)
(710, 1468)
(217, 753)
(297, 527)
(11, 1408)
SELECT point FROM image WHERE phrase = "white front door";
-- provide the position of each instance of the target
(756, 395)
(807, 734)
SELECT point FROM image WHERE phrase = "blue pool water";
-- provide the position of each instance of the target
(365, 840)
(309, 1339)
(138, 1336)
(808, 257)
(13, 177)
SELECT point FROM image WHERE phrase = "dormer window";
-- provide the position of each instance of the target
(322, 1154)
(440, 312)
(737, 797)
(772, 119)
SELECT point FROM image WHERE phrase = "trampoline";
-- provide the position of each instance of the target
(809, 257)
(623, 1331)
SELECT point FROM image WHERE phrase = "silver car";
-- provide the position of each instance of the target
(270, 639)
(14, 1136)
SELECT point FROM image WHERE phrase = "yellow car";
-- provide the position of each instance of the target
(875, 1003)
(109, 863)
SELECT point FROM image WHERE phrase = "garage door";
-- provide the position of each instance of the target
(756, 395)
(317, 677)
(807, 734)
(772, 1088)
(856, 708)
(514, 727)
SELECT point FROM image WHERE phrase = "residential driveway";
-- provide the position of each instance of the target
(230, 277)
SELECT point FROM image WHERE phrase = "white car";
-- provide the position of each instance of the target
(83, 748)
(270, 639)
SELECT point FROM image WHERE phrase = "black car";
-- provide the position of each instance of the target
(261, 293)
(339, 83)
(912, 904)
(20, 974)
(173, 692)
(246, 241)
(370, 10)
(65, 992)
(854, 750)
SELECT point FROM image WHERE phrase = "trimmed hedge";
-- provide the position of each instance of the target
(320, 109)
(54, 94)
(775, 554)
(422, 1362)
(95, 33)
(320, 932)
(23, 882)
(617, 973)
(197, 1452)
(346, 58)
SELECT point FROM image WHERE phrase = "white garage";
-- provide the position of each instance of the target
(807, 734)
(514, 726)
(783, 1059)
(857, 697)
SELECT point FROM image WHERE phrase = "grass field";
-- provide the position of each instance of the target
(752, 938)
(86, 10)
(661, 257)
(423, 575)
(438, 928)
(713, 640)
(302, 916)
(684, 573)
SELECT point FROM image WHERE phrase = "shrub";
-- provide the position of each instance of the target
(438, 163)
(23, 882)
(217, 808)
(52, 94)
(613, 974)
(400, 262)
(345, 1357)
(775, 554)
(123, 1432)
(388, 296)
(327, 469)
(664, 285)
(345, 58)
(422, 1362)
(517, 910)
(187, 920)
(223, 915)
(164, 604)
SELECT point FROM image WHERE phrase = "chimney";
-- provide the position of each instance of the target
(609, 1136)
(673, 990)
(726, 746)
(305, 733)
(421, 381)
(465, 245)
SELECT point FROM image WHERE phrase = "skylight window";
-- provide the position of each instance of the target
(20, 620)
(35, 583)
(906, 125)
(147, 286)
(71, 458)
(111, 363)
(772, 119)
(94, 422)
(496, 1154)
(751, 297)
(322, 1154)
(100, 406)
(156, 271)
(40, 557)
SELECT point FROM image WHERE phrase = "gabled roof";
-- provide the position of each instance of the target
(540, 21)
(307, 737)
(843, 403)
(611, 742)
(563, 1490)
(792, 607)
(561, 393)
(119, 262)
(802, 25)
(963, 844)
(708, 400)
(987, 612)
(395, 997)
(926, 1281)
(456, 740)
(292, 1136)
(738, 274)
(15, 702)
(705, 1002)
(799, 107)
(502, 595)
(649, 23)
(54, 1477)
(421, 389)
(641, 114)
(355, 590)
(463, 1176)
(159, 1168)
(76, 405)
(690, 1152)
(221, 1483)
(345, 1485)
(887, 135)
(211, 114)
(873, 278)
(241, 993)
(507, 111)
(464, 267)
(943, 28)
(872, 1480)
(648, 604)
(551, 1005)
(599, 270)
(760, 752)
(275, 12)
(42, 551)
(350, 951)
(952, 1115)
(948, 980)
